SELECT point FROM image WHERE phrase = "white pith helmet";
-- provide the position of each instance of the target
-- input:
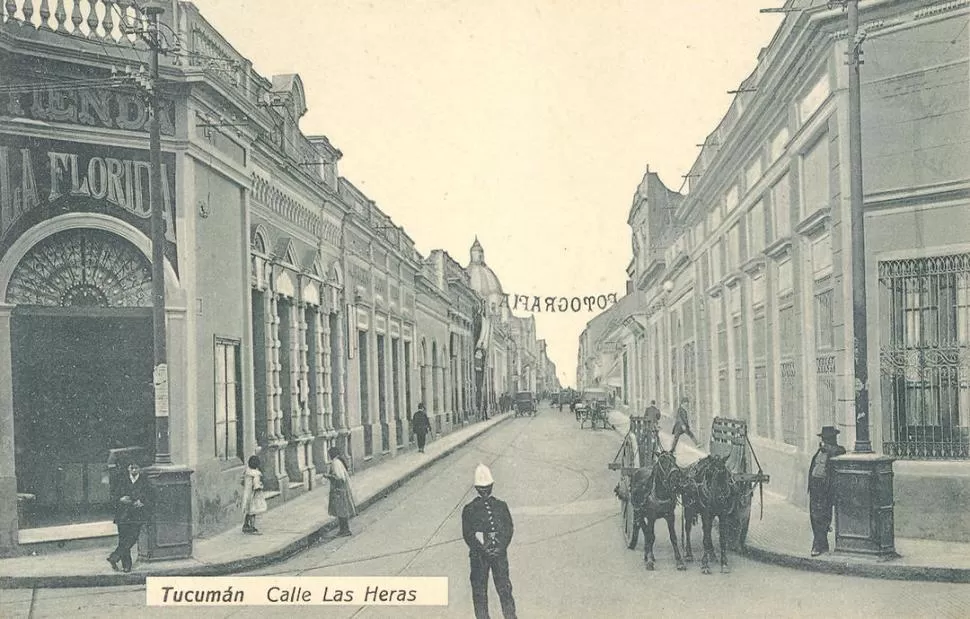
(483, 476)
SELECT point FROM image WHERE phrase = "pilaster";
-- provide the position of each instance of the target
(9, 521)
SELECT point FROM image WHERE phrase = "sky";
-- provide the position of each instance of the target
(526, 123)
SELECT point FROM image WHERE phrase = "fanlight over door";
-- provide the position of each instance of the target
(82, 267)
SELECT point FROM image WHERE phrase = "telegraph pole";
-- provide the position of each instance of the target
(857, 225)
(863, 480)
(160, 372)
(168, 532)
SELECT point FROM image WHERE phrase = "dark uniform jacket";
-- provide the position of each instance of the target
(653, 413)
(138, 491)
(491, 517)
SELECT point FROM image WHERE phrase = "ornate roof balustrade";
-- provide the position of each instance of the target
(98, 21)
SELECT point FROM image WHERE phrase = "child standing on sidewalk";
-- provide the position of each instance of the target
(253, 500)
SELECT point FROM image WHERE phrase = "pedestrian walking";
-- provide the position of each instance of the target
(341, 503)
(254, 499)
(486, 525)
(132, 503)
(420, 426)
(820, 496)
(682, 424)
(652, 413)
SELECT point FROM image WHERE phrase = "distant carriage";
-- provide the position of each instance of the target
(524, 403)
(593, 408)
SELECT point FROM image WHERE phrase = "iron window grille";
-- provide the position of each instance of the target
(925, 356)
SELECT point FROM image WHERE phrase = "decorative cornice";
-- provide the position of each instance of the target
(290, 209)
(815, 223)
(940, 8)
(779, 248)
(754, 265)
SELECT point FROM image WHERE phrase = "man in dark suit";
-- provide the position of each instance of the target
(420, 426)
(820, 497)
(131, 499)
(486, 525)
(682, 424)
(652, 413)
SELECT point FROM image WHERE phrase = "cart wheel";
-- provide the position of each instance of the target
(631, 532)
(629, 457)
(737, 528)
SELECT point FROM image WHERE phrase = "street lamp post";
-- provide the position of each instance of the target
(863, 479)
(168, 534)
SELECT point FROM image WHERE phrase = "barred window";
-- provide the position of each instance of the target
(825, 387)
(925, 356)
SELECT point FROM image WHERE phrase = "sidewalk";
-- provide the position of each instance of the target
(294, 525)
(784, 537)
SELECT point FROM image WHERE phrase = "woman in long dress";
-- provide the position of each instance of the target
(342, 504)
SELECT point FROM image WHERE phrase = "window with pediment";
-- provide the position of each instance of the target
(258, 243)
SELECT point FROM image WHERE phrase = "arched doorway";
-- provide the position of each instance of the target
(81, 351)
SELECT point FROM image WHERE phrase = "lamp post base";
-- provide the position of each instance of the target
(863, 489)
(168, 533)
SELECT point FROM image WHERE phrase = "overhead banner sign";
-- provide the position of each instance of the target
(40, 179)
(535, 303)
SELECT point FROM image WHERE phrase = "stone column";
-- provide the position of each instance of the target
(295, 454)
(276, 473)
(9, 521)
(340, 416)
(306, 435)
(321, 395)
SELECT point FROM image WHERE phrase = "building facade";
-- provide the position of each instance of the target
(494, 346)
(299, 315)
(747, 284)
(464, 303)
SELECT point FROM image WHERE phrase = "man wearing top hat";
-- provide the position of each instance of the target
(486, 525)
(820, 499)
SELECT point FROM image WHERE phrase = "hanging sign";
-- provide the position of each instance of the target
(40, 179)
(535, 303)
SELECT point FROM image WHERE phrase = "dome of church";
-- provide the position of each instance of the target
(483, 279)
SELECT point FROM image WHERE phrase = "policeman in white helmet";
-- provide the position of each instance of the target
(486, 525)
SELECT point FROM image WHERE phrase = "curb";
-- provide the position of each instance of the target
(882, 570)
(229, 567)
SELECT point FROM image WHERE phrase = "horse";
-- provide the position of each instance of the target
(653, 495)
(710, 491)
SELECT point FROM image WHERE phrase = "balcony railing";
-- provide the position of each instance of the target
(114, 21)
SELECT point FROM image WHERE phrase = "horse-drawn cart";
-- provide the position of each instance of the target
(639, 448)
(593, 409)
(729, 439)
